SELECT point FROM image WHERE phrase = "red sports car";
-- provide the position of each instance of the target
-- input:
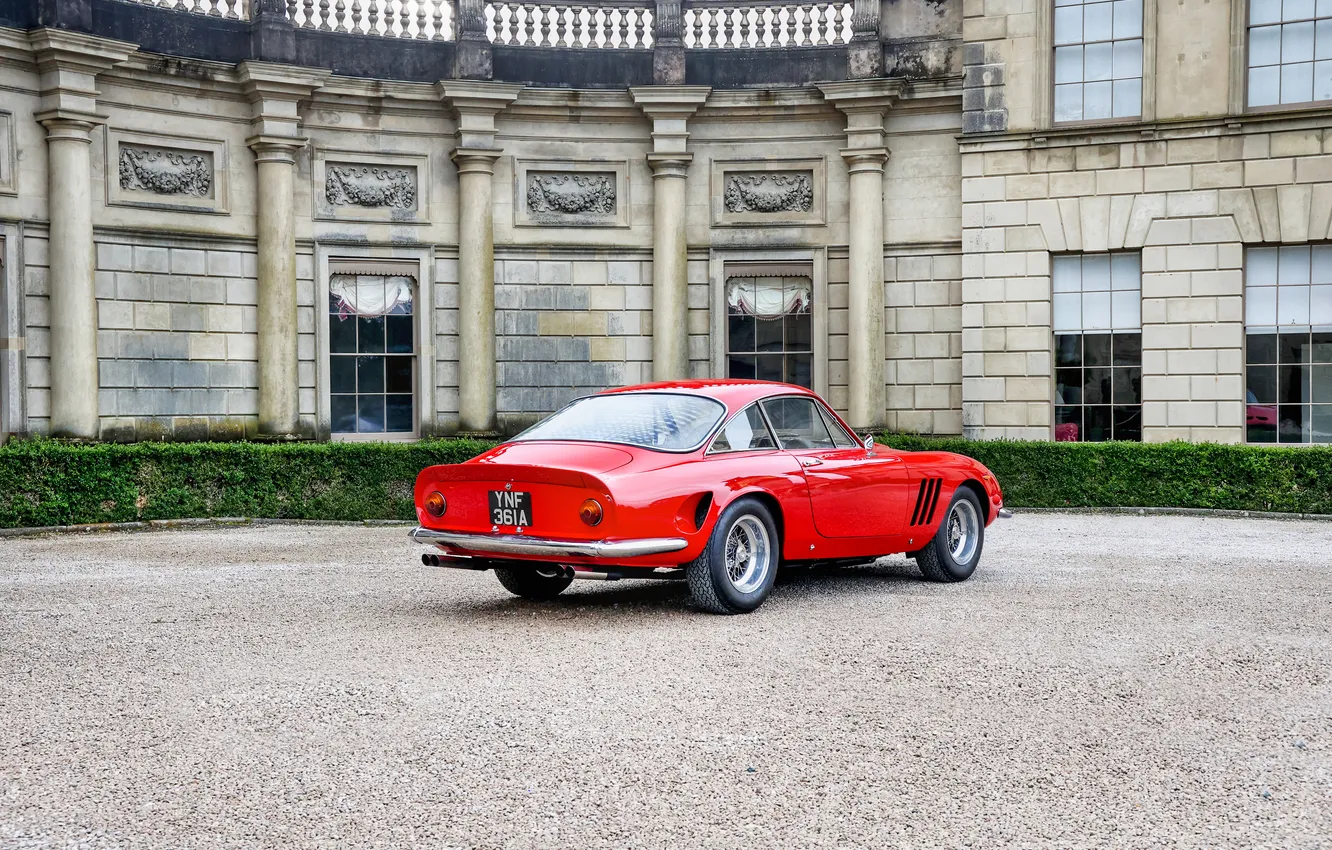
(716, 482)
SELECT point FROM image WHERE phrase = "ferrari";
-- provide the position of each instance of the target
(717, 483)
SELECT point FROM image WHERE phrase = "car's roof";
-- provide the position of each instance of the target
(733, 393)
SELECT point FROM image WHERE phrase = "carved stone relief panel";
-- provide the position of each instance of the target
(369, 187)
(574, 193)
(165, 172)
(768, 191)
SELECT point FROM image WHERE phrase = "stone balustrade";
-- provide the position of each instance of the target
(593, 25)
(233, 9)
(421, 19)
(738, 24)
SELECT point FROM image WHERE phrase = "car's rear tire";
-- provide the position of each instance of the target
(956, 548)
(533, 582)
(736, 570)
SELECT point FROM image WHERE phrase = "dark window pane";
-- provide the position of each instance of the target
(1293, 386)
(1291, 423)
(1322, 348)
(1128, 422)
(342, 374)
(399, 413)
(1128, 385)
(1097, 420)
(1096, 349)
(1294, 348)
(1261, 421)
(1068, 386)
(370, 413)
(741, 336)
(1261, 348)
(1262, 385)
(839, 437)
(1321, 392)
(1068, 424)
(768, 334)
(800, 370)
(1095, 387)
(343, 413)
(399, 331)
(398, 377)
(341, 335)
(799, 336)
(741, 366)
(1128, 349)
(1321, 430)
(769, 367)
(371, 339)
(1068, 350)
(370, 374)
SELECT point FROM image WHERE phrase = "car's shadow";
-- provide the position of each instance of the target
(672, 596)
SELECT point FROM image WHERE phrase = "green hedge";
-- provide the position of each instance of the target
(1160, 475)
(44, 482)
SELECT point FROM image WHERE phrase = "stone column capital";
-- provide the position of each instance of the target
(68, 64)
(274, 91)
(864, 159)
(476, 160)
(669, 108)
(669, 164)
(276, 148)
(475, 104)
(68, 125)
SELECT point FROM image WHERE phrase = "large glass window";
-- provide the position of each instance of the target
(746, 431)
(667, 421)
(1098, 347)
(769, 333)
(1290, 51)
(1098, 59)
(1288, 344)
(798, 423)
(371, 354)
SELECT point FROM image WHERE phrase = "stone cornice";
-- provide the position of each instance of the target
(475, 104)
(669, 108)
(274, 92)
(68, 64)
(864, 102)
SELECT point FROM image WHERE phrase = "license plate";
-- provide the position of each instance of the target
(509, 507)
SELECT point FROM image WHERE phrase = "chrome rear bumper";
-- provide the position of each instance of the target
(520, 544)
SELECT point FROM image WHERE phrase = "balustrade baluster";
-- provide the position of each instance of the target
(766, 27)
(292, 7)
(340, 15)
(508, 18)
(421, 20)
(837, 24)
(578, 29)
(439, 20)
(824, 10)
(696, 28)
(323, 16)
(640, 28)
(714, 22)
(560, 26)
(529, 26)
(804, 27)
(743, 27)
(180, 6)
(231, 10)
(372, 17)
(404, 19)
(546, 26)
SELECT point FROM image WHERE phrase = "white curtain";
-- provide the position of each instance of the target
(370, 295)
(768, 297)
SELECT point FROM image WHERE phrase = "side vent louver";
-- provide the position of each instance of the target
(927, 499)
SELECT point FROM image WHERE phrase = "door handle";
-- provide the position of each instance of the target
(810, 461)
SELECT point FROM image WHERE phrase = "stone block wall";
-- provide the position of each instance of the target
(1190, 204)
(446, 343)
(37, 333)
(176, 338)
(923, 297)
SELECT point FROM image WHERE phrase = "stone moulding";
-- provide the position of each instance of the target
(8, 185)
(165, 172)
(370, 186)
(556, 193)
(769, 192)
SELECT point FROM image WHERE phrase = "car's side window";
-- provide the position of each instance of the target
(840, 438)
(798, 423)
(745, 432)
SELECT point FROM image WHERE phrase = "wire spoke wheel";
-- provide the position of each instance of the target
(748, 553)
(963, 528)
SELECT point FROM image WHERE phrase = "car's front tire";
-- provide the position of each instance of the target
(533, 582)
(956, 548)
(736, 570)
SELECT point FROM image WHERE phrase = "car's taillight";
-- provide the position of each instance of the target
(435, 504)
(590, 512)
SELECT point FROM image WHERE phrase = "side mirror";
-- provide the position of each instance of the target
(869, 442)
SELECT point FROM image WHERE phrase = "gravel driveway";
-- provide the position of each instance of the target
(1108, 681)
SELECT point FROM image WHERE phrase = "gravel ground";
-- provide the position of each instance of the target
(1103, 681)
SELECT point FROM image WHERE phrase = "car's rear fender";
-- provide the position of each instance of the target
(954, 471)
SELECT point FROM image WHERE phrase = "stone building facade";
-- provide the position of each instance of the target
(260, 218)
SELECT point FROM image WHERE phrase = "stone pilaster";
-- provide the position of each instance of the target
(274, 92)
(668, 58)
(669, 108)
(475, 104)
(68, 64)
(864, 104)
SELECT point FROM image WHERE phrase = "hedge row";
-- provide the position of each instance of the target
(43, 482)
(1152, 475)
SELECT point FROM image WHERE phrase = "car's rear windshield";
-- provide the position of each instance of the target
(667, 422)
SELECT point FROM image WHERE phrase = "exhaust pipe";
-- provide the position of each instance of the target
(430, 559)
